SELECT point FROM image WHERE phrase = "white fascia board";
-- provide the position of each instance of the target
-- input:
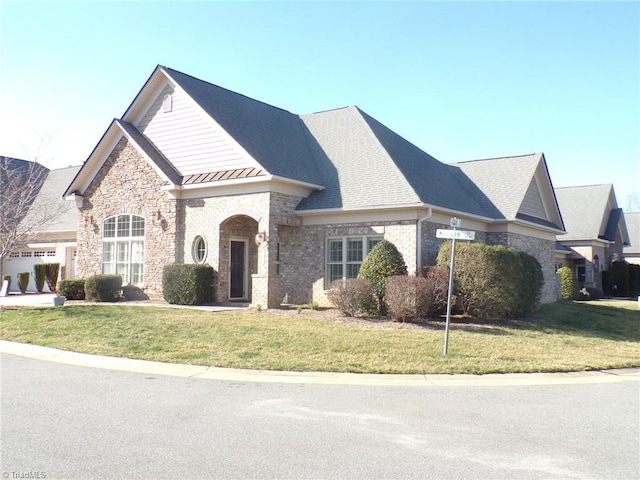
(107, 143)
(438, 212)
(96, 159)
(146, 96)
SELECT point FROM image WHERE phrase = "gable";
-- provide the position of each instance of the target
(585, 210)
(191, 140)
(532, 203)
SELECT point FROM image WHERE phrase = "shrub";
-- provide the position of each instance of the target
(384, 261)
(72, 289)
(568, 284)
(348, 294)
(40, 275)
(188, 284)
(23, 281)
(438, 288)
(494, 281)
(103, 288)
(634, 279)
(51, 271)
(530, 281)
(407, 298)
(620, 279)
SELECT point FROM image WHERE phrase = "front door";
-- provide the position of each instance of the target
(238, 270)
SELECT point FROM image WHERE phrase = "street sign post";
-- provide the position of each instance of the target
(453, 235)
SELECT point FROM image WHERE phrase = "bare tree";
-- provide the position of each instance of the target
(22, 214)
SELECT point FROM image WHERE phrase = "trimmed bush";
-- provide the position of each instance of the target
(634, 279)
(407, 298)
(494, 281)
(51, 272)
(384, 261)
(72, 289)
(348, 294)
(438, 288)
(40, 276)
(620, 279)
(568, 284)
(188, 284)
(103, 288)
(23, 281)
(530, 281)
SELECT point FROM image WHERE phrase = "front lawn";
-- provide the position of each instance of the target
(562, 337)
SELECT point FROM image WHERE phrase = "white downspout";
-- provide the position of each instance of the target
(419, 251)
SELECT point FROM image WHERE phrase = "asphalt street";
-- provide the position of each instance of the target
(77, 422)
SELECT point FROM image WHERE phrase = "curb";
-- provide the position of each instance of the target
(326, 378)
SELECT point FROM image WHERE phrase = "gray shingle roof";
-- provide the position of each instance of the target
(503, 180)
(274, 137)
(585, 211)
(50, 198)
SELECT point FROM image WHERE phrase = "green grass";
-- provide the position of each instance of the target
(561, 337)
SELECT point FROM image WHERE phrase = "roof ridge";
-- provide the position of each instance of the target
(329, 110)
(170, 70)
(497, 158)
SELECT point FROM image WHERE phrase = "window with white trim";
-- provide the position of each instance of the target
(199, 250)
(123, 247)
(345, 256)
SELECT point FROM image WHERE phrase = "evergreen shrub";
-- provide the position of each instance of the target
(72, 289)
(568, 284)
(384, 261)
(188, 284)
(494, 281)
(103, 288)
(23, 281)
(51, 271)
(40, 275)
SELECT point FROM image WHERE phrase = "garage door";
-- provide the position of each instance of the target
(24, 260)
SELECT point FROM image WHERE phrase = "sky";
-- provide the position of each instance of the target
(461, 80)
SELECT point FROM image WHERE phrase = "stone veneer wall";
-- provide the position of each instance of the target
(127, 184)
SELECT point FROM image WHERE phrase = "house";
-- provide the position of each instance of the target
(282, 204)
(51, 221)
(631, 252)
(596, 232)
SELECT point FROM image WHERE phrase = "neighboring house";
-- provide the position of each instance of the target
(54, 239)
(596, 231)
(283, 204)
(631, 252)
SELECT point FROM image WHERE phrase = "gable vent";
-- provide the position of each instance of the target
(167, 103)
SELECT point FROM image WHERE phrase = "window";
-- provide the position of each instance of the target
(25, 254)
(14, 255)
(199, 250)
(123, 247)
(345, 256)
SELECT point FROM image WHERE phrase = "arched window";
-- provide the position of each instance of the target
(199, 249)
(123, 247)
